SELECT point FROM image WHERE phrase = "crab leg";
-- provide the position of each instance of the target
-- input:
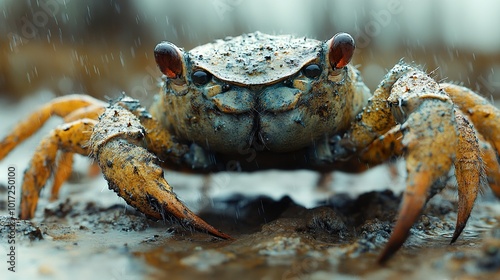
(492, 166)
(486, 120)
(484, 115)
(61, 174)
(61, 106)
(375, 119)
(134, 173)
(65, 161)
(384, 147)
(72, 137)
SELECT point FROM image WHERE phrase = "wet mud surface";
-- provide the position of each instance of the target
(274, 239)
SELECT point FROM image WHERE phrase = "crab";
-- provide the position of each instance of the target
(260, 101)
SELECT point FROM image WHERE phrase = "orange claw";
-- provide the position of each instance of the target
(469, 170)
(413, 201)
(428, 157)
(134, 174)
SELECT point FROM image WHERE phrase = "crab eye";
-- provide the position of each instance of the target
(288, 83)
(341, 50)
(200, 77)
(226, 87)
(312, 71)
(169, 59)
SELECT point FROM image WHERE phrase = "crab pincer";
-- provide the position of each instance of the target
(435, 136)
(134, 173)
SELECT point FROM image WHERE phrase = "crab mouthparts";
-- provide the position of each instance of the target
(268, 115)
(274, 99)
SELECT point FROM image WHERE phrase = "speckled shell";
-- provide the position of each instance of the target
(255, 58)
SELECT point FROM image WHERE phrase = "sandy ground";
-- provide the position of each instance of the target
(285, 227)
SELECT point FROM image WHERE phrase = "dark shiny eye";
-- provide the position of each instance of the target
(288, 83)
(200, 77)
(312, 71)
(226, 87)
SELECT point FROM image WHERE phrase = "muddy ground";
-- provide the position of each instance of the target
(284, 228)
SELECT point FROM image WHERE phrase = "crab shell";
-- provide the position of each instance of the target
(256, 58)
(256, 91)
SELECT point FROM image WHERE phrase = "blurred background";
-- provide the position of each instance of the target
(104, 47)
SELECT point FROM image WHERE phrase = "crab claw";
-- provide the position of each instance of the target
(138, 178)
(430, 154)
(469, 170)
(413, 201)
(134, 173)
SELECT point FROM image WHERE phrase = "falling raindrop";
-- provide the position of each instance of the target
(121, 60)
(117, 7)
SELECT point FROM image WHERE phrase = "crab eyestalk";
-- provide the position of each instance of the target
(169, 59)
(340, 50)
